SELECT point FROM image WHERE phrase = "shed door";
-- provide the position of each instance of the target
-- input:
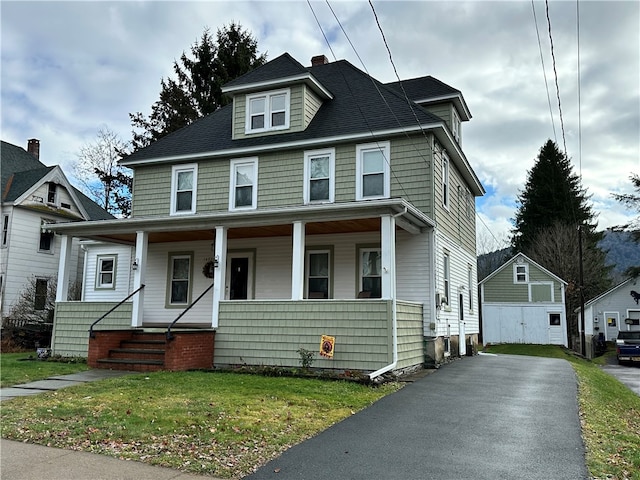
(611, 325)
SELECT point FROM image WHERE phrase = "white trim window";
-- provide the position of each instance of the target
(52, 193)
(370, 273)
(446, 190)
(184, 181)
(268, 111)
(373, 171)
(319, 177)
(446, 276)
(520, 273)
(318, 274)
(106, 272)
(180, 265)
(243, 188)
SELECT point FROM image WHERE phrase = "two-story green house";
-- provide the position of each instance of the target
(318, 202)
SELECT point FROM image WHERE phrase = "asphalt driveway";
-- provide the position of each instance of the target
(483, 417)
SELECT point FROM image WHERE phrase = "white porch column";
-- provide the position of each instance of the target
(139, 266)
(388, 248)
(219, 273)
(297, 262)
(64, 269)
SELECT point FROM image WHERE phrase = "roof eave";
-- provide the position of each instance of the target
(306, 78)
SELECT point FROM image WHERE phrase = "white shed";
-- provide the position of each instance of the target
(522, 302)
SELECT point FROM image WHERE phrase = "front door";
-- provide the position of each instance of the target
(239, 282)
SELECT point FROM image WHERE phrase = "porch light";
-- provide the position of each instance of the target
(134, 265)
(216, 262)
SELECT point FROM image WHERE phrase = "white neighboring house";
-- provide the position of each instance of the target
(523, 302)
(617, 309)
(34, 196)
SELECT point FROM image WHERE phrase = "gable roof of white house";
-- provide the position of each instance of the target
(610, 291)
(513, 260)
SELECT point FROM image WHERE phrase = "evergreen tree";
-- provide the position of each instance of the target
(553, 193)
(552, 209)
(196, 91)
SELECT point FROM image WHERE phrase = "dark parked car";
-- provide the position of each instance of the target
(628, 347)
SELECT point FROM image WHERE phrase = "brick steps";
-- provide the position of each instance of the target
(145, 351)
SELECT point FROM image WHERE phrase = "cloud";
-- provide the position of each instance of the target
(69, 68)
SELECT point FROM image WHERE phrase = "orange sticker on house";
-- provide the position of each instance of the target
(327, 344)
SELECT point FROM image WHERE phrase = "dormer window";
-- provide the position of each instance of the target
(267, 111)
(456, 127)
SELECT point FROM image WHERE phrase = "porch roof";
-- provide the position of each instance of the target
(319, 219)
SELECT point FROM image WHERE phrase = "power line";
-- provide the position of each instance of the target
(555, 73)
(544, 72)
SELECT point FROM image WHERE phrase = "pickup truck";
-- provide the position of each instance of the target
(628, 347)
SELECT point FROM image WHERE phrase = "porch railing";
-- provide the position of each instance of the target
(168, 334)
(93, 335)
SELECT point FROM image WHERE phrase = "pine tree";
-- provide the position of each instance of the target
(196, 91)
(553, 208)
(553, 193)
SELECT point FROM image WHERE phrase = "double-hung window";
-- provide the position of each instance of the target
(373, 171)
(446, 191)
(267, 111)
(446, 275)
(243, 189)
(184, 180)
(520, 273)
(470, 286)
(319, 181)
(51, 193)
(370, 272)
(106, 271)
(318, 273)
(180, 274)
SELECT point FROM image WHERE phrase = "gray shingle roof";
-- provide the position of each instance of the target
(424, 87)
(281, 67)
(21, 170)
(356, 108)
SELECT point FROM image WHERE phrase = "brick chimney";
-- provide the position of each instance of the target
(319, 60)
(33, 147)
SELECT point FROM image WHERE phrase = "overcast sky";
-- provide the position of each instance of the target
(70, 68)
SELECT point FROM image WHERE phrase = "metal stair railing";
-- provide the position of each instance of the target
(168, 333)
(91, 332)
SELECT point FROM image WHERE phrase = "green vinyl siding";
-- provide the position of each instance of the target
(500, 288)
(70, 337)
(151, 191)
(271, 332)
(312, 104)
(410, 334)
(410, 167)
(213, 186)
(296, 114)
(442, 110)
(345, 173)
(454, 221)
(281, 179)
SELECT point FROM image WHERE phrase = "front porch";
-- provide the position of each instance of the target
(368, 336)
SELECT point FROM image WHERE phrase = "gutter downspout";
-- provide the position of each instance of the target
(394, 318)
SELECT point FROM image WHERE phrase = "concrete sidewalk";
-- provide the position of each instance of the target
(59, 381)
(24, 461)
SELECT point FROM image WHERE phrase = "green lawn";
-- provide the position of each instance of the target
(609, 413)
(221, 424)
(17, 368)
